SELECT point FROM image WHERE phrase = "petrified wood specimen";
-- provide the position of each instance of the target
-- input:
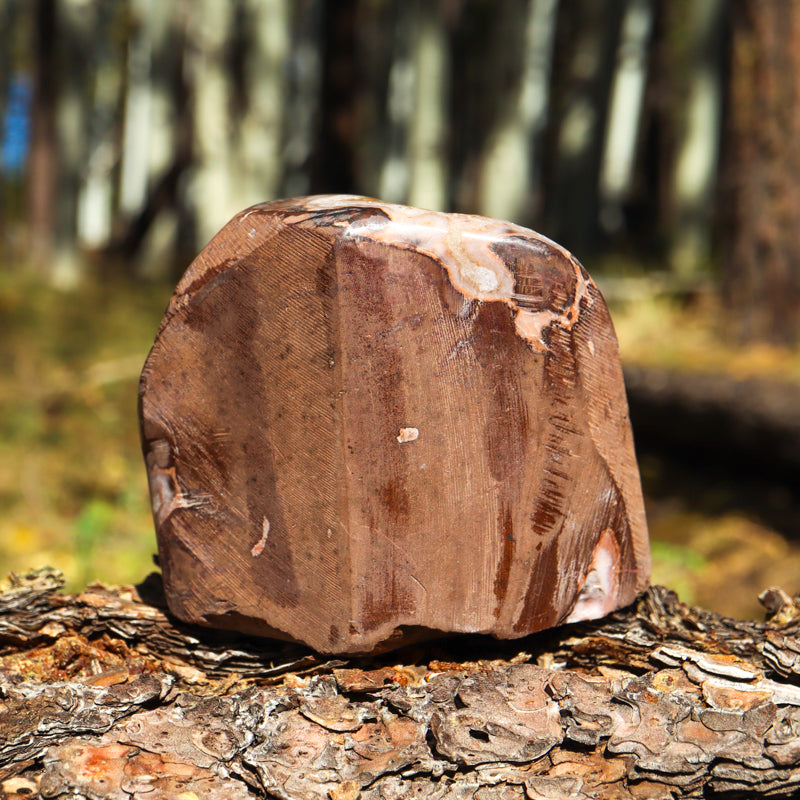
(363, 421)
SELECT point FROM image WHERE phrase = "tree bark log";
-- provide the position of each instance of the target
(105, 696)
(744, 420)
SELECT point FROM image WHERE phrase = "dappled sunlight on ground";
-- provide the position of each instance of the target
(687, 333)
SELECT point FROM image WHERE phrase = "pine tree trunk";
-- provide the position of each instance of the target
(761, 193)
(333, 161)
(42, 175)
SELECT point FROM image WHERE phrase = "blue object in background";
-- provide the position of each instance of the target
(16, 126)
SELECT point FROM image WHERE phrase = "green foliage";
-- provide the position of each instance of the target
(675, 566)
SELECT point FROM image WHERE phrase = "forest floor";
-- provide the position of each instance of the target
(720, 523)
(73, 493)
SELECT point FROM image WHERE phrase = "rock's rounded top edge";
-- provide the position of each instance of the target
(316, 206)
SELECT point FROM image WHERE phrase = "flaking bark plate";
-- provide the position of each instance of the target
(364, 422)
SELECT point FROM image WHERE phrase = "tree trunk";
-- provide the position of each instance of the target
(333, 162)
(302, 95)
(95, 201)
(211, 194)
(761, 193)
(587, 38)
(105, 696)
(42, 174)
(691, 56)
(510, 180)
(260, 125)
(155, 231)
(426, 145)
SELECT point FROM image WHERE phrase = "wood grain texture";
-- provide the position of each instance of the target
(364, 422)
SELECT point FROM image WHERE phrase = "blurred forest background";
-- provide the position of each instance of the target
(659, 140)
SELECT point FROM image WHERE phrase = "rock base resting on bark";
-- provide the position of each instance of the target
(103, 695)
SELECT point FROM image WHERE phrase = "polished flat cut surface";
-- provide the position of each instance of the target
(365, 423)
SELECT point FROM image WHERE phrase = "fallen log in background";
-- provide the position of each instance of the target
(105, 696)
(746, 420)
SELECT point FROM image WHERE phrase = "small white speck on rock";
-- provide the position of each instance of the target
(258, 547)
(407, 435)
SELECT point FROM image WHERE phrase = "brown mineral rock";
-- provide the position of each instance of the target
(364, 422)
